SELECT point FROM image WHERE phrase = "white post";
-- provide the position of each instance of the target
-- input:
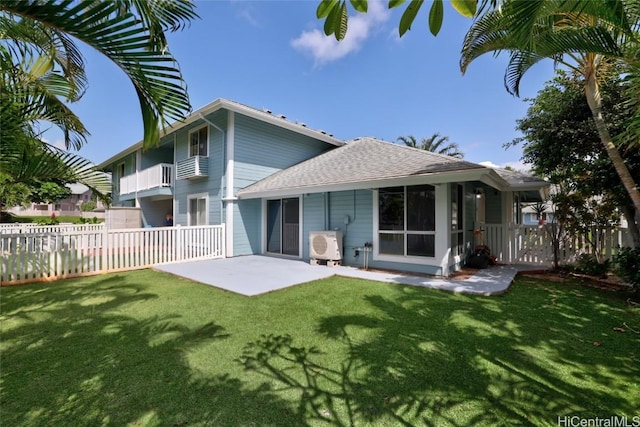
(229, 197)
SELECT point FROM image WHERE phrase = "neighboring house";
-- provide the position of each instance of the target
(530, 216)
(69, 206)
(272, 182)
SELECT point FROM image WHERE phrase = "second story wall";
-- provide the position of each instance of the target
(261, 149)
(121, 168)
(212, 183)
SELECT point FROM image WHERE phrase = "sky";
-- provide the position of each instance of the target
(273, 54)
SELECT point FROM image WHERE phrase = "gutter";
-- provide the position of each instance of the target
(223, 157)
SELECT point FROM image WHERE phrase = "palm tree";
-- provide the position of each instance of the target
(440, 145)
(580, 35)
(436, 144)
(129, 32)
(42, 69)
(409, 141)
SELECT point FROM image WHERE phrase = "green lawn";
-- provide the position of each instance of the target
(148, 349)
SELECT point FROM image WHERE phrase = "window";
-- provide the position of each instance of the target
(198, 142)
(406, 220)
(517, 209)
(119, 175)
(457, 219)
(198, 210)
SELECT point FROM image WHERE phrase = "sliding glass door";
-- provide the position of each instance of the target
(283, 226)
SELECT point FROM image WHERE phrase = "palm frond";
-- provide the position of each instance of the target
(120, 36)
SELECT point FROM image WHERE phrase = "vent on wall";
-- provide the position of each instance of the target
(326, 245)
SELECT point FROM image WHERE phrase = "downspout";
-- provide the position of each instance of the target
(222, 185)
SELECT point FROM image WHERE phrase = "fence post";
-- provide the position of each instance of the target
(104, 267)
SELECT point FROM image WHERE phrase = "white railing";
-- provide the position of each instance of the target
(532, 244)
(158, 176)
(18, 228)
(29, 257)
(192, 167)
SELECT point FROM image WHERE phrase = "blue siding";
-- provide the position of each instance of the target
(262, 149)
(247, 228)
(493, 206)
(129, 168)
(212, 185)
(356, 204)
(314, 218)
(154, 156)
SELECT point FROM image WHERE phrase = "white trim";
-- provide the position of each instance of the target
(194, 130)
(230, 175)
(232, 106)
(300, 227)
(229, 198)
(204, 196)
(430, 179)
(443, 227)
(441, 233)
(263, 222)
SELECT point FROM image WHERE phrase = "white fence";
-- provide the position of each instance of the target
(532, 244)
(35, 254)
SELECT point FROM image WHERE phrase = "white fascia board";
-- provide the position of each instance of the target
(436, 178)
(494, 180)
(119, 156)
(222, 103)
(275, 120)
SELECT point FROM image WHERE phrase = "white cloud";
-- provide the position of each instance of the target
(517, 165)
(326, 49)
(58, 143)
(248, 13)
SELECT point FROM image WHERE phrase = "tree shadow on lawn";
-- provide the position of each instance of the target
(431, 358)
(71, 358)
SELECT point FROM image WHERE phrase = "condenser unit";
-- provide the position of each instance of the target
(325, 245)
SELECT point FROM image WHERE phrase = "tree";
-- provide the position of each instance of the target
(561, 142)
(577, 34)
(131, 33)
(336, 13)
(582, 36)
(42, 69)
(436, 144)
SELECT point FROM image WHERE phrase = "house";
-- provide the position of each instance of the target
(69, 206)
(272, 182)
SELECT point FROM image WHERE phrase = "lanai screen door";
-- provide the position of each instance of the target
(283, 226)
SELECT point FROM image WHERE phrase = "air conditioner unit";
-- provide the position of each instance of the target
(325, 245)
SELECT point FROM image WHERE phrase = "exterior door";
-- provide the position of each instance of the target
(283, 226)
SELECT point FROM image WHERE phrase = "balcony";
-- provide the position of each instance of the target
(158, 176)
(193, 167)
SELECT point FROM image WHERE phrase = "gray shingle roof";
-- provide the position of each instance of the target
(360, 160)
(515, 178)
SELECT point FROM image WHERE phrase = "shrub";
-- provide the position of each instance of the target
(627, 266)
(88, 206)
(93, 220)
(588, 264)
(47, 221)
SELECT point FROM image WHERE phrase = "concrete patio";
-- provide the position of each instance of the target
(256, 274)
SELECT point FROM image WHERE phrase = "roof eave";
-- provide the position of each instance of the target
(432, 178)
(226, 104)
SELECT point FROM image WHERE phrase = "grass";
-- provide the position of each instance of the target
(147, 349)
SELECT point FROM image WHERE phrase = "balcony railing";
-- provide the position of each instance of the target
(158, 176)
(193, 167)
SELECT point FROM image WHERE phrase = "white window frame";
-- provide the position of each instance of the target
(196, 130)
(121, 168)
(408, 259)
(196, 196)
